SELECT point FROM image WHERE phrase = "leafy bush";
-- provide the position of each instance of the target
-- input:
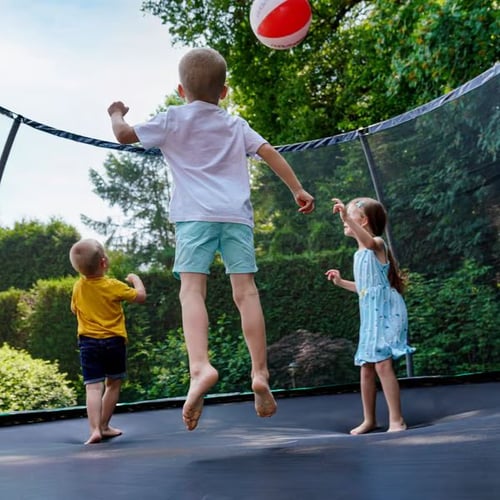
(156, 368)
(305, 359)
(31, 384)
(454, 322)
(229, 354)
(160, 369)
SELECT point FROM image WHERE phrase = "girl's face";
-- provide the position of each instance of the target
(357, 215)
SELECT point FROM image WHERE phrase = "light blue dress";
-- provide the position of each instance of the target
(383, 328)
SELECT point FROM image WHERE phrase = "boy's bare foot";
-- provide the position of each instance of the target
(397, 426)
(363, 428)
(111, 432)
(265, 404)
(95, 437)
(199, 386)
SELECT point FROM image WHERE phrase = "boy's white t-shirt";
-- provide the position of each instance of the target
(206, 150)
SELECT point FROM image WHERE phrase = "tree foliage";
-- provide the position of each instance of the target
(139, 185)
(32, 250)
(361, 62)
(453, 322)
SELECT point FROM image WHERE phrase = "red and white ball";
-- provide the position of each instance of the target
(280, 24)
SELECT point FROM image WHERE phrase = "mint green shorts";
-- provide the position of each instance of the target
(196, 244)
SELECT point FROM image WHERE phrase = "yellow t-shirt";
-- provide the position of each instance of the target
(97, 303)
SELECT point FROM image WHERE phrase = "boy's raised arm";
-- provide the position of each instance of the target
(284, 171)
(124, 133)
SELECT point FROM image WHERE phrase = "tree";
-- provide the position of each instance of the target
(140, 186)
(362, 62)
(440, 185)
(32, 250)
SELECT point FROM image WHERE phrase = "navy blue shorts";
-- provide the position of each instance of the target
(102, 358)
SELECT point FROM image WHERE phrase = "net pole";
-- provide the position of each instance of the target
(8, 145)
(370, 161)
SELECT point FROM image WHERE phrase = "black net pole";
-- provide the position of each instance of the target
(380, 197)
(8, 145)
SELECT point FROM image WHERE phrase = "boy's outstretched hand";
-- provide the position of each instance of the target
(124, 133)
(305, 201)
(118, 106)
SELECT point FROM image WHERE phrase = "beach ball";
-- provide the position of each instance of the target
(280, 24)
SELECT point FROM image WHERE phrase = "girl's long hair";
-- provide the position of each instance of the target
(377, 220)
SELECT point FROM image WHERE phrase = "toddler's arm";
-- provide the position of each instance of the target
(137, 283)
(284, 171)
(124, 133)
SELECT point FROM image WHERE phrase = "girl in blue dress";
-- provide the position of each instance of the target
(383, 317)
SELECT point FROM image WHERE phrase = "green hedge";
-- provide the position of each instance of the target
(52, 327)
(294, 293)
(454, 322)
(453, 325)
(13, 310)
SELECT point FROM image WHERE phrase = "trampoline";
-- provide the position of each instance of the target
(450, 451)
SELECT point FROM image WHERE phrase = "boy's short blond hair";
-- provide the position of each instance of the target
(86, 255)
(202, 73)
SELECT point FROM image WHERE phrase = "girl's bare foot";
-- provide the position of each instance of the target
(95, 437)
(265, 404)
(363, 428)
(398, 426)
(199, 386)
(111, 432)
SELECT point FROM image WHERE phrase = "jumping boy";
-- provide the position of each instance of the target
(206, 150)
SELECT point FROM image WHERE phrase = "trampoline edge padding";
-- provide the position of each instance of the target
(47, 415)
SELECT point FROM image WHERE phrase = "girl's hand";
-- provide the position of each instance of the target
(338, 207)
(334, 276)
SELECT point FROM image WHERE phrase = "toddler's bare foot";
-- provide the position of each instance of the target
(397, 426)
(363, 428)
(95, 437)
(111, 432)
(199, 386)
(265, 404)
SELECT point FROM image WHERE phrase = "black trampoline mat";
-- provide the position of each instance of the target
(451, 451)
